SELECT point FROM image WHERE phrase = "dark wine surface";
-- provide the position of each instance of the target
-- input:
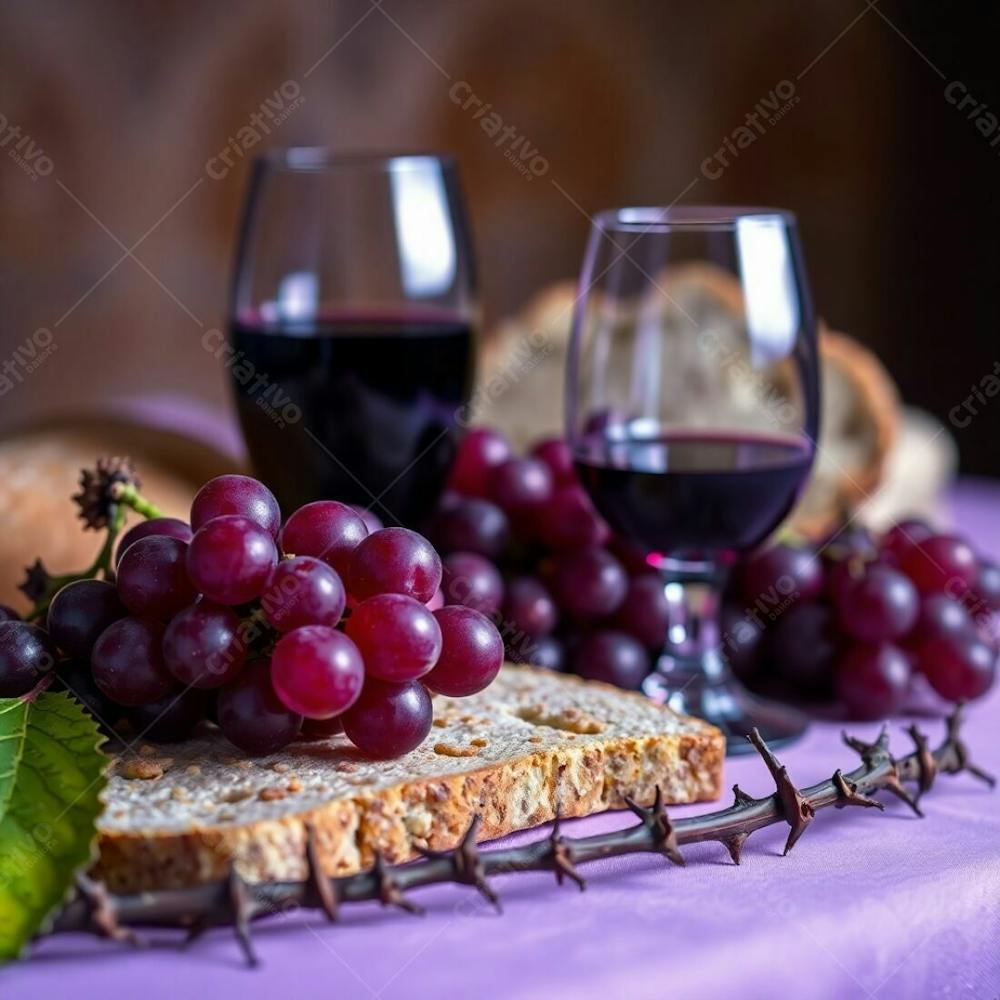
(691, 494)
(349, 409)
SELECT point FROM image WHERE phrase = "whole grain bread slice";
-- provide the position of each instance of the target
(533, 742)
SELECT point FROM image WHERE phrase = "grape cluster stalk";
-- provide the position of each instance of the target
(233, 902)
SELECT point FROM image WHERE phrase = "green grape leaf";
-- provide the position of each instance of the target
(51, 779)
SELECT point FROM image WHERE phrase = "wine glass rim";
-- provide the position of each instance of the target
(325, 158)
(657, 219)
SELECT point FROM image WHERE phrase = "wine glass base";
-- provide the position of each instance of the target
(729, 706)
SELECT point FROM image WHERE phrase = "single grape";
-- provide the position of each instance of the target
(470, 525)
(389, 720)
(76, 678)
(203, 645)
(645, 612)
(743, 637)
(854, 542)
(556, 454)
(80, 612)
(153, 579)
(326, 529)
(252, 716)
(394, 561)
(171, 719)
(471, 652)
(8, 614)
(317, 671)
(27, 654)
(528, 608)
(437, 601)
(398, 637)
(545, 651)
(303, 591)
(589, 584)
(567, 520)
(519, 487)
(479, 452)
(872, 680)
(127, 662)
(613, 657)
(230, 559)
(878, 605)
(322, 729)
(986, 589)
(371, 520)
(473, 581)
(803, 646)
(960, 666)
(236, 495)
(940, 615)
(902, 537)
(941, 564)
(780, 574)
(172, 527)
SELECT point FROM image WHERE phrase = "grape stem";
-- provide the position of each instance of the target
(232, 902)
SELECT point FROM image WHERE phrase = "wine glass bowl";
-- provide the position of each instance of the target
(692, 413)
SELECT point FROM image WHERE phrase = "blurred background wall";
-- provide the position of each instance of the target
(118, 211)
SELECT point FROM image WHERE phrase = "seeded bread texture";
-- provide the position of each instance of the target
(533, 742)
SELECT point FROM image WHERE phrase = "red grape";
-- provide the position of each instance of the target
(645, 612)
(27, 654)
(556, 454)
(902, 537)
(940, 615)
(987, 586)
(773, 575)
(942, 563)
(80, 612)
(317, 671)
(152, 577)
(8, 614)
(203, 646)
(804, 647)
(371, 520)
(398, 637)
(171, 719)
(567, 520)
(528, 608)
(471, 580)
(520, 486)
(322, 729)
(471, 525)
(878, 605)
(394, 561)
(873, 680)
(252, 716)
(389, 719)
(303, 591)
(742, 640)
(589, 584)
(326, 529)
(960, 666)
(471, 652)
(127, 662)
(172, 527)
(545, 651)
(612, 657)
(239, 495)
(855, 542)
(479, 452)
(230, 559)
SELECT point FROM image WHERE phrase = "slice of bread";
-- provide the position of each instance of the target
(534, 742)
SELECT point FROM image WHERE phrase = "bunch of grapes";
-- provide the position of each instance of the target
(859, 618)
(327, 622)
(523, 544)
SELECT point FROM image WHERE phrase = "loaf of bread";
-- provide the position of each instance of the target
(533, 743)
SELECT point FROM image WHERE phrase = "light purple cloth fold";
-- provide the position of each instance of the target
(867, 905)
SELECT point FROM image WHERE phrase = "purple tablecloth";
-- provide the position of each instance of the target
(868, 905)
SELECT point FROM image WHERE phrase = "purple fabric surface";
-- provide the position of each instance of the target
(868, 905)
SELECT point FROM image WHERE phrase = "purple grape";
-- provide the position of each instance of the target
(75, 676)
(472, 581)
(567, 520)
(394, 561)
(322, 729)
(252, 716)
(80, 612)
(171, 719)
(612, 657)
(471, 525)
(879, 605)
(230, 559)
(743, 637)
(317, 671)
(152, 578)
(520, 486)
(127, 662)
(8, 614)
(960, 666)
(940, 615)
(941, 564)
(855, 542)
(873, 680)
(236, 495)
(399, 639)
(172, 527)
(303, 591)
(528, 608)
(471, 653)
(545, 651)
(804, 647)
(556, 454)
(27, 654)
(987, 586)
(327, 530)
(389, 720)
(203, 645)
(645, 612)
(589, 584)
(371, 520)
(480, 451)
(902, 537)
(774, 575)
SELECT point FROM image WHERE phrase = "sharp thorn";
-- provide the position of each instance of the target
(984, 776)
(634, 807)
(734, 845)
(894, 785)
(240, 907)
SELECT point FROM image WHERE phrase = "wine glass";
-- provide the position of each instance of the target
(353, 320)
(692, 412)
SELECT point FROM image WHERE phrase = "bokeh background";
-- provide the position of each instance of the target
(115, 239)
